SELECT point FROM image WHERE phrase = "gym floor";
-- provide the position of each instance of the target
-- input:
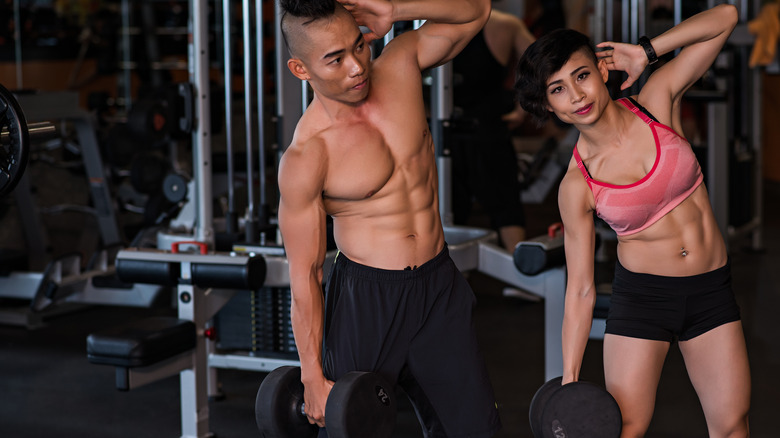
(49, 389)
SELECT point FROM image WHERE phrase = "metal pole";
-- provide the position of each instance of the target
(441, 112)
(598, 21)
(288, 108)
(227, 19)
(126, 76)
(677, 12)
(261, 111)
(625, 20)
(18, 45)
(201, 137)
(249, 223)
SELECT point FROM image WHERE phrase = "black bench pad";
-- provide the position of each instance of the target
(141, 343)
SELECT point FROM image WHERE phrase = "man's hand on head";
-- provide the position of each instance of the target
(376, 15)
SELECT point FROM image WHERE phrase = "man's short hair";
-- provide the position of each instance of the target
(302, 12)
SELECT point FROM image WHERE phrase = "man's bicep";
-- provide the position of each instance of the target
(301, 218)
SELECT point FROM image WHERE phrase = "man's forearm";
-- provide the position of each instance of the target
(440, 11)
(306, 316)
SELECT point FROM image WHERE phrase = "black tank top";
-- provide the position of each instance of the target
(479, 82)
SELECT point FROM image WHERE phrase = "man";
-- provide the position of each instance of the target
(362, 153)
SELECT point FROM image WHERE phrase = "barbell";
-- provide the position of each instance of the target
(15, 134)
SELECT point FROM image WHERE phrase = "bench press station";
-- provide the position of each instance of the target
(152, 349)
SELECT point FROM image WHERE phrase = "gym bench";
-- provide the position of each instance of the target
(151, 349)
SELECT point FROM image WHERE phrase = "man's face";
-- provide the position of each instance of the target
(336, 60)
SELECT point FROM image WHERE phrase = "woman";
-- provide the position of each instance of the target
(632, 167)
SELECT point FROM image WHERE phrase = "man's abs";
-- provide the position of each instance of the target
(383, 244)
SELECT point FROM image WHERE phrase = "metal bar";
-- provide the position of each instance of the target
(18, 45)
(625, 20)
(599, 22)
(641, 19)
(249, 363)
(677, 12)
(101, 194)
(304, 95)
(259, 26)
(758, 166)
(227, 18)
(717, 163)
(288, 108)
(36, 131)
(125, 45)
(249, 222)
(634, 23)
(201, 137)
(441, 111)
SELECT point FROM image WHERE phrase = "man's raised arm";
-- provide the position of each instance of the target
(449, 26)
(302, 224)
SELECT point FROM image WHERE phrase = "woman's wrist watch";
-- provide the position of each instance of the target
(652, 58)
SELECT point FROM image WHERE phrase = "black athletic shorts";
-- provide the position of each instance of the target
(414, 328)
(661, 308)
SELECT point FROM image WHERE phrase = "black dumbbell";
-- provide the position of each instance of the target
(574, 410)
(360, 405)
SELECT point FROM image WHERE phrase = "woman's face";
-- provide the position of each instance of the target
(577, 92)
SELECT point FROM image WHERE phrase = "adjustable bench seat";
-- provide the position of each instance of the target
(142, 343)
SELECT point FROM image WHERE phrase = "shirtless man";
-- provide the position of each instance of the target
(362, 153)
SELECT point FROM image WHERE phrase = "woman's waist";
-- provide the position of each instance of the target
(673, 257)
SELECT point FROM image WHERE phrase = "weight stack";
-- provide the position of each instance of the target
(263, 324)
(258, 322)
(286, 341)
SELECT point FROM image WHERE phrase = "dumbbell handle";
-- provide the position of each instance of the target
(35, 130)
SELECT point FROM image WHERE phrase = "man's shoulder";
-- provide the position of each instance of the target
(304, 150)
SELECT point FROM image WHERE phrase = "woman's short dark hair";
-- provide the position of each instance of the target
(541, 60)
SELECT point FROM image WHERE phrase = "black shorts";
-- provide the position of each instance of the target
(414, 328)
(661, 308)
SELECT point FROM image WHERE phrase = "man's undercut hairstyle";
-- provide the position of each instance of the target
(542, 59)
(302, 12)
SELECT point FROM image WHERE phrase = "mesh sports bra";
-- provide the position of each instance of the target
(675, 175)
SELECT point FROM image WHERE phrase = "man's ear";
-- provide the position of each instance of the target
(298, 69)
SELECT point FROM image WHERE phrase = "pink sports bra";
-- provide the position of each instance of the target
(675, 175)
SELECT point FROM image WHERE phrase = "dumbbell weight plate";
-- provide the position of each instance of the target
(278, 406)
(175, 188)
(14, 147)
(581, 410)
(361, 405)
(537, 404)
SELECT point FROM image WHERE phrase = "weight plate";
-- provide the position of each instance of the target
(581, 410)
(278, 406)
(14, 147)
(361, 405)
(175, 188)
(537, 404)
